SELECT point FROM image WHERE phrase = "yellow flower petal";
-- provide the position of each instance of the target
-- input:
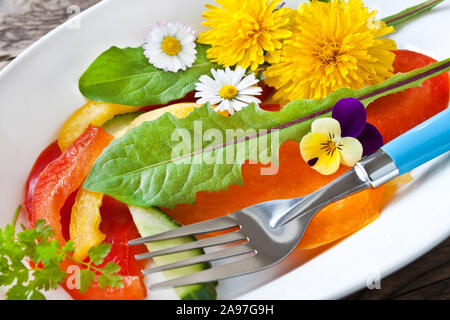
(351, 151)
(328, 164)
(242, 31)
(329, 127)
(333, 45)
(312, 151)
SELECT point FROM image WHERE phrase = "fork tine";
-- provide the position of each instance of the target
(233, 269)
(217, 224)
(221, 254)
(213, 241)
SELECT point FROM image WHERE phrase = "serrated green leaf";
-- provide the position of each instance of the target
(87, 277)
(148, 167)
(111, 268)
(68, 247)
(47, 251)
(124, 76)
(48, 277)
(18, 292)
(111, 281)
(98, 254)
(36, 295)
(102, 281)
(115, 281)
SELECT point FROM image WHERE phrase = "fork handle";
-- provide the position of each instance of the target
(421, 144)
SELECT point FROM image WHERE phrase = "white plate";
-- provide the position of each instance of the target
(38, 91)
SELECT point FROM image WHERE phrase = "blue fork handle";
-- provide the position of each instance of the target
(421, 144)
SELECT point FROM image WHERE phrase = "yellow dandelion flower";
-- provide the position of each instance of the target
(243, 31)
(334, 45)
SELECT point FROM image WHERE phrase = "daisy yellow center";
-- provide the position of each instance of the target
(228, 92)
(170, 46)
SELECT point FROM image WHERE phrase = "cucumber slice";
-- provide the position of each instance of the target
(118, 125)
(153, 220)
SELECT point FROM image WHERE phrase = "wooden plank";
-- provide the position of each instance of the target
(22, 22)
(426, 278)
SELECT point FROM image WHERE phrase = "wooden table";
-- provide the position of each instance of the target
(22, 22)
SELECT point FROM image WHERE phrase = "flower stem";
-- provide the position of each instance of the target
(16, 215)
(88, 265)
(411, 12)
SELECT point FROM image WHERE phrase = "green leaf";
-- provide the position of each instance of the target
(111, 281)
(87, 277)
(18, 292)
(48, 277)
(35, 245)
(124, 76)
(148, 167)
(36, 295)
(47, 251)
(108, 278)
(111, 268)
(68, 247)
(98, 254)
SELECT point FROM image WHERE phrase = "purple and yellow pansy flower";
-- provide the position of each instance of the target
(343, 139)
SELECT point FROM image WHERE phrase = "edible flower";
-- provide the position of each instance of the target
(343, 139)
(334, 45)
(242, 32)
(171, 46)
(228, 90)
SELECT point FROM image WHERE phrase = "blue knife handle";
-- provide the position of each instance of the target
(421, 144)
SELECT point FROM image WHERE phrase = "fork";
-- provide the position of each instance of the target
(268, 232)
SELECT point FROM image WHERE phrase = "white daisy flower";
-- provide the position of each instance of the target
(171, 46)
(228, 90)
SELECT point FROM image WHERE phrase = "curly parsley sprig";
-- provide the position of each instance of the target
(25, 281)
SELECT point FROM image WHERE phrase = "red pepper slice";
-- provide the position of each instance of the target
(118, 225)
(397, 113)
(132, 289)
(119, 228)
(48, 155)
(117, 221)
(65, 175)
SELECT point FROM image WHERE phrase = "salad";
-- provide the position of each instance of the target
(268, 103)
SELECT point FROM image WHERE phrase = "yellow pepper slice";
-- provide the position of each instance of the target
(85, 222)
(95, 113)
(179, 110)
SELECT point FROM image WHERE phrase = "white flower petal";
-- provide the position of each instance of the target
(351, 151)
(256, 91)
(208, 89)
(185, 36)
(248, 99)
(327, 126)
(248, 81)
